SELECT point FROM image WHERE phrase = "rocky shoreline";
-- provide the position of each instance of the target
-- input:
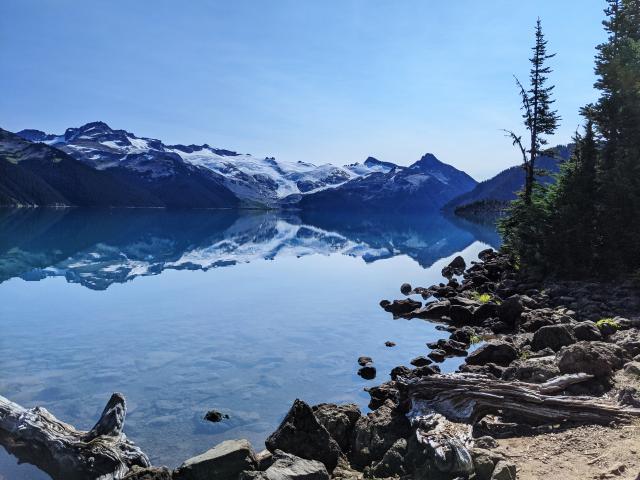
(540, 357)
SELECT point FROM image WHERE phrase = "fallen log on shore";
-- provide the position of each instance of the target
(35, 436)
(465, 397)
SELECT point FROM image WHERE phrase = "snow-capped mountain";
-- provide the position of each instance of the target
(425, 185)
(251, 179)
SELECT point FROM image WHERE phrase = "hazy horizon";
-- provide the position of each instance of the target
(331, 82)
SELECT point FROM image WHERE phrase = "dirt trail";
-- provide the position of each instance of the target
(583, 453)
(590, 452)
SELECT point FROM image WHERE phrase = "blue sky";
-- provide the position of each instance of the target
(321, 81)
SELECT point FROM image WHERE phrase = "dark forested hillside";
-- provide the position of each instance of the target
(501, 189)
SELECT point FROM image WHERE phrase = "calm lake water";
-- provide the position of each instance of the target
(188, 311)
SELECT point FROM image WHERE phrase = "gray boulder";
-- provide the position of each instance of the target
(498, 352)
(376, 432)
(392, 462)
(596, 358)
(461, 315)
(632, 369)
(587, 331)
(290, 467)
(628, 340)
(339, 420)
(433, 310)
(483, 463)
(532, 370)
(485, 311)
(149, 473)
(553, 336)
(504, 471)
(301, 434)
(225, 461)
(510, 310)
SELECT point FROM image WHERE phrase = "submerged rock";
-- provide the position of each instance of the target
(362, 361)
(368, 372)
(215, 416)
(301, 434)
(405, 289)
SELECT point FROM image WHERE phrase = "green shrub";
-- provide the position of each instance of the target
(607, 323)
(481, 297)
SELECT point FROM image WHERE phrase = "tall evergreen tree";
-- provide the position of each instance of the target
(539, 118)
(616, 117)
(589, 221)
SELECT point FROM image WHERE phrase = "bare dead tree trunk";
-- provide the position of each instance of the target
(464, 397)
(35, 436)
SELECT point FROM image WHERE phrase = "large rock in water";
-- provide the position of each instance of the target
(225, 461)
(498, 352)
(339, 421)
(456, 267)
(400, 307)
(289, 467)
(553, 336)
(596, 358)
(301, 434)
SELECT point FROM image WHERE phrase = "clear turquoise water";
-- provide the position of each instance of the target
(188, 311)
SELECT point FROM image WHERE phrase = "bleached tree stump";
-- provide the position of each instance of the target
(35, 436)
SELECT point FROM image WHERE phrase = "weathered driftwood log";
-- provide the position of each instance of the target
(445, 442)
(464, 397)
(35, 436)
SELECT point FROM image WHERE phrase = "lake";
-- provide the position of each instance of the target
(188, 311)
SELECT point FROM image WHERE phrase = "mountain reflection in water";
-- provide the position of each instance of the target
(94, 302)
(97, 248)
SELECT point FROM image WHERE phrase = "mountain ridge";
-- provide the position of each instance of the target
(496, 191)
(155, 174)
